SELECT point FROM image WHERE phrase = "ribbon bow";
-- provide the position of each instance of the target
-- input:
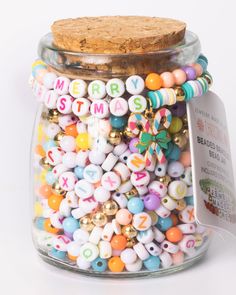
(153, 143)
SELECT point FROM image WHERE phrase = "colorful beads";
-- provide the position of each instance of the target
(153, 81)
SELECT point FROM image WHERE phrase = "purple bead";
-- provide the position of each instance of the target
(69, 235)
(151, 202)
(178, 109)
(190, 72)
(132, 145)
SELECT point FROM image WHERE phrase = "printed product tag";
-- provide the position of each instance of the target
(212, 172)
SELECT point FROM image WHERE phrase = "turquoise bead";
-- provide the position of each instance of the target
(50, 178)
(79, 172)
(99, 264)
(164, 223)
(57, 254)
(188, 91)
(173, 152)
(135, 205)
(39, 222)
(152, 263)
(70, 224)
(118, 122)
(189, 200)
(203, 61)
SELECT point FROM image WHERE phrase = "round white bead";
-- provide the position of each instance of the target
(161, 169)
(64, 104)
(141, 251)
(109, 162)
(120, 149)
(52, 129)
(128, 256)
(175, 169)
(118, 106)
(82, 158)
(153, 249)
(105, 250)
(115, 87)
(134, 267)
(61, 85)
(169, 247)
(162, 211)
(81, 236)
(110, 181)
(101, 195)
(73, 249)
(122, 170)
(54, 156)
(137, 104)
(142, 221)
(60, 242)
(136, 162)
(99, 109)
(72, 199)
(157, 188)
(166, 259)
(82, 263)
(92, 173)
(50, 99)
(67, 181)
(120, 199)
(146, 236)
(177, 189)
(80, 106)
(67, 143)
(89, 252)
(96, 157)
(49, 80)
(78, 88)
(97, 89)
(135, 84)
(95, 235)
(140, 178)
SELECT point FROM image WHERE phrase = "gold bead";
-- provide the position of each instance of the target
(154, 217)
(149, 114)
(180, 95)
(185, 132)
(99, 219)
(110, 208)
(129, 231)
(86, 223)
(132, 193)
(185, 120)
(45, 164)
(58, 137)
(128, 133)
(181, 205)
(131, 243)
(57, 190)
(115, 137)
(53, 116)
(165, 179)
(180, 140)
(209, 79)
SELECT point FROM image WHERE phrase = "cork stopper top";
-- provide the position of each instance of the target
(117, 34)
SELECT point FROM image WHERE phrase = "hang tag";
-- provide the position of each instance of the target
(212, 172)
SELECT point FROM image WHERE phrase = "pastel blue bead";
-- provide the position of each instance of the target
(152, 263)
(164, 223)
(36, 69)
(39, 222)
(118, 122)
(70, 224)
(57, 254)
(50, 178)
(99, 264)
(79, 172)
(49, 144)
(189, 200)
(135, 205)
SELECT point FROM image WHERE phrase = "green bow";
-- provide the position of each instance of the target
(146, 139)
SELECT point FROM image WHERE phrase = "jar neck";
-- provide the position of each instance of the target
(106, 66)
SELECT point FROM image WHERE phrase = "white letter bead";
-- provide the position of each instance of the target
(72, 199)
(158, 235)
(82, 158)
(58, 170)
(101, 195)
(96, 157)
(54, 156)
(161, 169)
(134, 84)
(169, 247)
(120, 199)
(187, 228)
(162, 211)
(136, 162)
(140, 178)
(115, 87)
(95, 235)
(56, 220)
(118, 106)
(60, 242)
(84, 189)
(92, 173)
(64, 208)
(125, 187)
(83, 264)
(157, 188)
(177, 189)
(64, 104)
(122, 170)
(128, 256)
(141, 251)
(89, 252)
(146, 236)
(49, 80)
(142, 221)
(61, 85)
(120, 149)
(67, 143)
(169, 203)
(73, 249)
(81, 236)
(187, 215)
(97, 89)
(105, 249)
(137, 104)
(107, 232)
(78, 88)
(109, 162)
(78, 213)
(52, 130)
(166, 259)
(153, 249)
(67, 181)
(80, 106)
(187, 243)
(50, 99)
(99, 109)
(136, 266)
(110, 181)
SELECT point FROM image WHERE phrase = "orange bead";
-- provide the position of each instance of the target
(153, 81)
(175, 219)
(118, 242)
(174, 235)
(39, 150)
(54, 202)
(115, 264)
(49, 227)
(73, 258)
(45, 191)
(71, 130)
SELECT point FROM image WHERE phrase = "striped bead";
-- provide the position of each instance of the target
(164, 96)
(202, 60)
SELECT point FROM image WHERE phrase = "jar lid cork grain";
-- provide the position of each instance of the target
(117, 34)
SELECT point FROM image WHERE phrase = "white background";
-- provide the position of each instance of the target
(22, 23)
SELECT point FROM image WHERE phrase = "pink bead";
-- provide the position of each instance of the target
(168, 79)
(185, 158)
(179, 76)
(198, 68)
(178, 258)
(123, 217)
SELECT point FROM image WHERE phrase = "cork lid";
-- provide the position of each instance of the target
(117, 34)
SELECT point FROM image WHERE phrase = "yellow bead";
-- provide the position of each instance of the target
(38, 209)
(129, 231)
(42, 176)
(86, 223)
(176, 125)
(115, 137)
(110, 208)
(83, 141)
(99, 219)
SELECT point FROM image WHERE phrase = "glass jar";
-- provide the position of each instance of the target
(100, 208)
